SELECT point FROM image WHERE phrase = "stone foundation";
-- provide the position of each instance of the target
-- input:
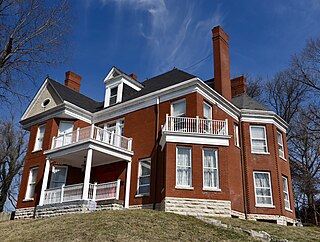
(25, 213)
(142, 206)
(237, 214)
(197, 207)
(281, 220)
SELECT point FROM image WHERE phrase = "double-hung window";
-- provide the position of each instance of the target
(258, 139)
(207, 116)
(285, 192)
(113, 95)
(59, 176)
(210, 169)
(144, 176)
(263, 190)
(280, 144)
(178, 113)
(39, 138)
(32, 183)
(236, 135)
(183, 167)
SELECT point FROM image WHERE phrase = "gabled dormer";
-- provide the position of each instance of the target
(119, 84)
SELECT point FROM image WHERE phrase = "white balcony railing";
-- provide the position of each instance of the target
(103, 191)
(92, 132)
(196, 125)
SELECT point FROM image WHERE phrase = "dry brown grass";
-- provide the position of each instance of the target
(125, 225)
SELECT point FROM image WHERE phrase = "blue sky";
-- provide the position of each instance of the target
(149, 37)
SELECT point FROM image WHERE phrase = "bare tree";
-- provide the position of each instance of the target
(254, 87)
(12, 150)
(32, 35)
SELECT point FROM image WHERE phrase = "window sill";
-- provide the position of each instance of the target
(264, 206)
(288, 209)
(34, 151)
(282, 158)
(142, 195)
(211, 189)
(260, 153)
(27, 200)
(184, 188)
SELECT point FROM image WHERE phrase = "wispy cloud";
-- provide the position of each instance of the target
(177, 35)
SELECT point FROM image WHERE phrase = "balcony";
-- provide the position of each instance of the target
(195, 131)
(96, 192)
(70, 148)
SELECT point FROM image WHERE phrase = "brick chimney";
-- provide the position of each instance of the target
(221, 61)
(134, 76)
(72, 81)
(238, 86)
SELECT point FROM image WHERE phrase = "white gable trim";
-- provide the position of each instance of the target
(129, 80)
(36, 98)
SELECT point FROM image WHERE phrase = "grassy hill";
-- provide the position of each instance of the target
(125, 225)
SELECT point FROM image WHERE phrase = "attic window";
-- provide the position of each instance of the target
(113, 95)
(46, 102)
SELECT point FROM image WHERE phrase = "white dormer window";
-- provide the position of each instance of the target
(113, 95)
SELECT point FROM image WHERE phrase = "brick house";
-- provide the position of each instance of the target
(173, 142)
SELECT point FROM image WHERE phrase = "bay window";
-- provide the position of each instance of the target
(280, 144)
(263, 190)
(258, 139)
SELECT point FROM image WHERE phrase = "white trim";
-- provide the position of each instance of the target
(127, 188)
(236, 135)
(37, 145)
(217, 168)
(287, 191)
(28, 196)
(270, 187)
(42, 104)
(179, 186)
(211, 189)
(44, 181)
(131, 82)
(280, 144)
(183, 187)
(186, 138)
(139, 174)
(265, 139)
(176, 102)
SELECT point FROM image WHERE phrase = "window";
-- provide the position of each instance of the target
(113, 95)
(144, 176)
(179, 108)
(58, 176)
(280, 144)
(207, 115)
(210, 168)
(39, 139)
(32, 183)
(236, 135)
(64, 133)
(285, 192)
(258, 139)
(183, 176)
(262, 186)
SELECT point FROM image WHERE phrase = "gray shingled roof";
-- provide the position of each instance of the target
(76, 98)
(243, 101)
(164, 80)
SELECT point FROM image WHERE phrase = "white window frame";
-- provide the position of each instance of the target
(236, 135)
(139, 175)
(217, 188)
(29, 196)
(179, 186)
(265, 139)
(270, 187)
(285, 187)
(37, 145)
(210, 107)
(119, 86)
(280, 145)
(53, 169)
(176, 102)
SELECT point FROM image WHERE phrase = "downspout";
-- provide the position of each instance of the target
(156, 150)
(244, 185)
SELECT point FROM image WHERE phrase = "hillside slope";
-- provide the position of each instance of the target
(125, 225)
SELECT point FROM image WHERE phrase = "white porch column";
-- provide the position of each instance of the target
(128, 179)
(44, 181)
(87, 175)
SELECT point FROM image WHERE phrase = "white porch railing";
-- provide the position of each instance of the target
(103, 191)
(196, 125)
(92, 132)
